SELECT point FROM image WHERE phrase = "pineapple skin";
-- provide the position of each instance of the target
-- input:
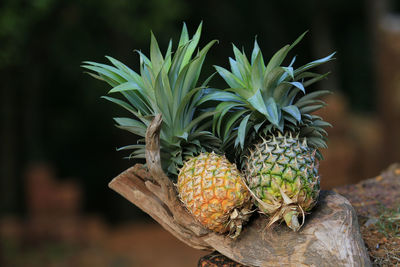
(212, 189)
(282, 172)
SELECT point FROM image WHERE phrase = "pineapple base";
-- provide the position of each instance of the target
(290, 214)
(237, 219)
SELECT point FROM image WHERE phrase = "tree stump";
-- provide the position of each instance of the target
(330, 236)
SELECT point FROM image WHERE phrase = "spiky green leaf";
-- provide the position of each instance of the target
(243, 127)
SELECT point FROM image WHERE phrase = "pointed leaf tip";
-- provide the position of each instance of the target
(299, 85)
(298, 39)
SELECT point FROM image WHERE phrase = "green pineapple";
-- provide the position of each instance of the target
(266, 115)
(209, 185)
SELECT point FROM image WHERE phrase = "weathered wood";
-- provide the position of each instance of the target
(166, 190)
(216, 259)
(133, 185)
(330, 236)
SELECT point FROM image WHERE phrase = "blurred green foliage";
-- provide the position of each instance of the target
(79, 26)
(60, 117)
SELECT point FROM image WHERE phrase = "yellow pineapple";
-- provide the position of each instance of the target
(213, 191)
(209, 186)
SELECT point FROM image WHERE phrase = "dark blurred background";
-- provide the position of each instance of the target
(57, 150)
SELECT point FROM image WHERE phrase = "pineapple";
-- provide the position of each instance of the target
(212, 189)
(282, 173)
(266, 115)
(169, 85)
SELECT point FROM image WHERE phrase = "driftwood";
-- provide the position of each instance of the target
(330, 236)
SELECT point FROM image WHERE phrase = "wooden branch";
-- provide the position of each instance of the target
(153, 158)
(131, 184)
(167, 193)
(330, 234)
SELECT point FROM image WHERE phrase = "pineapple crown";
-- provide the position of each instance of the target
(167, 85)
(262, 99)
